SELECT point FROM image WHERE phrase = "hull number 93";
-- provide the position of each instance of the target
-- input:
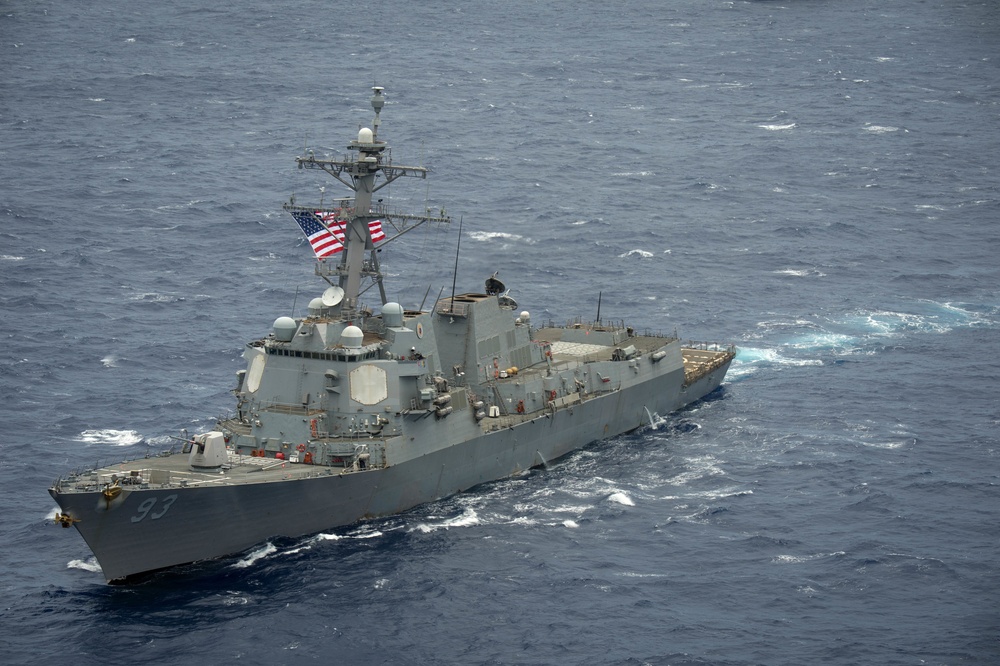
(148, 505)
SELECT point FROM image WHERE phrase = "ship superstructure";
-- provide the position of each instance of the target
(355, 411)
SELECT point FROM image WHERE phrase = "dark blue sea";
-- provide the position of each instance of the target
(817, 182)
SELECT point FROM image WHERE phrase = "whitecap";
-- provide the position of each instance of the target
(880, 129)
(153, 297)
(259, 554)
(570, 523)
(492, 235)
(775, 128)
(9, 257)
(798, 559)
(110, 361)
(801, 272)
(621, 498)
(468, 518)
(642, 254)
(897, 444)
(110, 436)
(329, 537)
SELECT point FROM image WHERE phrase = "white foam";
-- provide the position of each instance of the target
(329, 537)
(697, 468)
(801, 272)
(798, 559)
(110, 436)
(756, 355)
(568, 508)
(880, 129)
(110, 361)
(824, 341)
(468, 518)
(493, 235)
(85, 565)
(898, 444)
(775, 128)
(621, 498)
(153, 297)
(642, 254)
(259, 554)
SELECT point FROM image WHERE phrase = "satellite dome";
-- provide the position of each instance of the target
(392, 315)
(284, 329)
(316, 306)
(352, 337)
(365, 135)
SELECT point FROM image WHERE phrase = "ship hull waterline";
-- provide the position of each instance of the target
(146, 530)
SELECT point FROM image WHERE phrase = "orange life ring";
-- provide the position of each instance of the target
(520, 406)
(300, 448)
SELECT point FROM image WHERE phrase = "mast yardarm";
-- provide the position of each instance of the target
(360, 174)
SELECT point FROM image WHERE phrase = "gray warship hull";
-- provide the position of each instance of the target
(213, 521)
(345, 413)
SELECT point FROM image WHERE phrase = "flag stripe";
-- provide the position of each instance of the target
(325, 232)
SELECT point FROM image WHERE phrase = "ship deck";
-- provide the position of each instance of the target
(173, 471)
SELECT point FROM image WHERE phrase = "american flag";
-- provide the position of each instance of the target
(326, 233)
(337, 226)
(324, 243)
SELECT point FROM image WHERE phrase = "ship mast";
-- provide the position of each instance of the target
(360, 173)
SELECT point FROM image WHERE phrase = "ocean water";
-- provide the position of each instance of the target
(816, 182)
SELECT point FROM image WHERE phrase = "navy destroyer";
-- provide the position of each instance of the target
(352, 411)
